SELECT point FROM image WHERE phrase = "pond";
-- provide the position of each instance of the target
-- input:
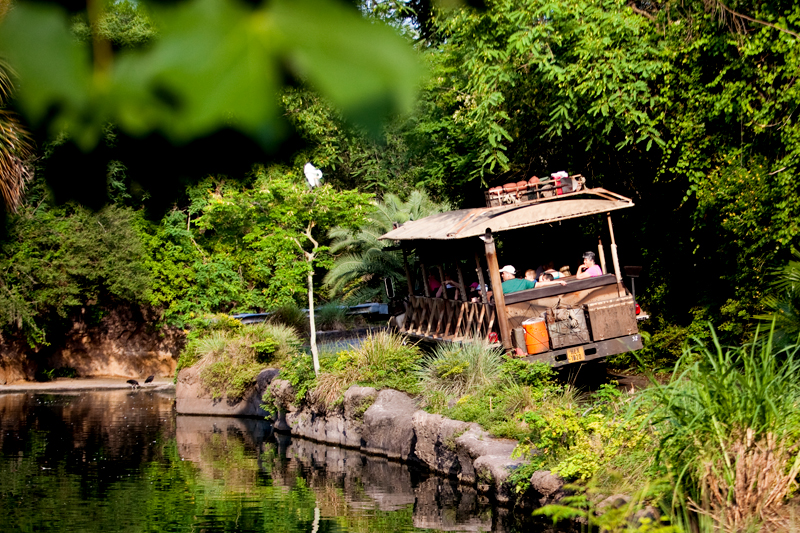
(124, 461)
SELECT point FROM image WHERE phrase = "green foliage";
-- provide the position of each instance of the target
(290, 315)
(383, 360)
(728, 427)
(363, 262)
(241, 247)
(784, 303)
(49, 374)
(191, 61)
(332, 316)
(230, 359)
(532, 374)
(459, 369)
(203, 330)
(123, 24)
(299, 371)
(386, 360)
(55, 260)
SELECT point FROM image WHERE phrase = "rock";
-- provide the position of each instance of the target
(309, 424)
(192, 398)
(388, 429)
(614, 501)
(649, 515)
(436, 441)
(357, 400)
(284, 395)
(548, 485)
(475, 443)
(494, 471)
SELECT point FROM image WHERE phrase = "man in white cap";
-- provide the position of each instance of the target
(511, 283)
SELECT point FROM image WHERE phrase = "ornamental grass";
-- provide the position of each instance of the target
(729, 426)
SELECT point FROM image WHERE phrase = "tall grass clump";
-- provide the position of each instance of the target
(459, 369)
(729, 424)
(201, 330)
(230, 361)
(383, 360)
(332, 316)
(292, 316)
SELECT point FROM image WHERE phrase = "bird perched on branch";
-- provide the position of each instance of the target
(313, 175)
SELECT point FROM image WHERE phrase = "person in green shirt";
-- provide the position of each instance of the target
(511, 283)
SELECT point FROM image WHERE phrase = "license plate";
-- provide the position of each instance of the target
(575, 354)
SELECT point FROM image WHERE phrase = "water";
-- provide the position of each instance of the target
(123, 461)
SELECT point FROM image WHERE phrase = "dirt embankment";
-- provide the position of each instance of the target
(124, 343)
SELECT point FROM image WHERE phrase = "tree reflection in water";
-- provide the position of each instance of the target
(122, 461)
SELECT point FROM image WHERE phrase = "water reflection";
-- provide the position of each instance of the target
(122, 461)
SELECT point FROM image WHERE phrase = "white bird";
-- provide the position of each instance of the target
(313, 175)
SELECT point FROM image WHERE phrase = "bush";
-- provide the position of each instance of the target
(201, 330)
(459, 369)
(383, 360)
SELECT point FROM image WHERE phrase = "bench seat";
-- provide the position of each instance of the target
(554, 290)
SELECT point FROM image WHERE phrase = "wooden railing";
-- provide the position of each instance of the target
(450, 320)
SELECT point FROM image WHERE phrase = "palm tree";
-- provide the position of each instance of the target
(16, 148)
(358, 273)
(784, 303)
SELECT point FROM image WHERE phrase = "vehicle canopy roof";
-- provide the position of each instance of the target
(465, 223)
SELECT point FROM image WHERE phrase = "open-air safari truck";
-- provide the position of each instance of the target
(584, 320)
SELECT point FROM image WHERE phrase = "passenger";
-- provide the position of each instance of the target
(547, 279)
(452, 287)
(530, 275)
(546, 267)
(511, 283)
(588, 269)
(433, 283)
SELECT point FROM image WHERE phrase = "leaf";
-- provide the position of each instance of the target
(53, 68)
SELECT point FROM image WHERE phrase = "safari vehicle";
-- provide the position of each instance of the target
(584, 320)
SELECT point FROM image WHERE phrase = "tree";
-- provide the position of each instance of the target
(298, 216)
(364, 263)
(16, 149)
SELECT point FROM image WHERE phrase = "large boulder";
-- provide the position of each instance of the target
(331, 428)
(475, 443)
(549, 486)
(493, 471)
(436, 441)
(192, 398)
(388, 429)
(284, 395)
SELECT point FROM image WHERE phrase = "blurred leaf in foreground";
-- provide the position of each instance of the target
(215, 65)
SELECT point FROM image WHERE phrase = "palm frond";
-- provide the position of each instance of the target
(364, 262)
(16, 148)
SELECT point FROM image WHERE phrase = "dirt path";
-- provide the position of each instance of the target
(84, 384)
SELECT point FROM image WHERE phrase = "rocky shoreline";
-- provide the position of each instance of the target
(385, 423)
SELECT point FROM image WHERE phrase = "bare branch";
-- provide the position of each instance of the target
(641, 12)
(717, 4)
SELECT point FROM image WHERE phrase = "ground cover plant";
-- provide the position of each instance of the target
(229, 355)
(382, 360)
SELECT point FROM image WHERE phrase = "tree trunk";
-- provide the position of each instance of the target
(312, 327)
